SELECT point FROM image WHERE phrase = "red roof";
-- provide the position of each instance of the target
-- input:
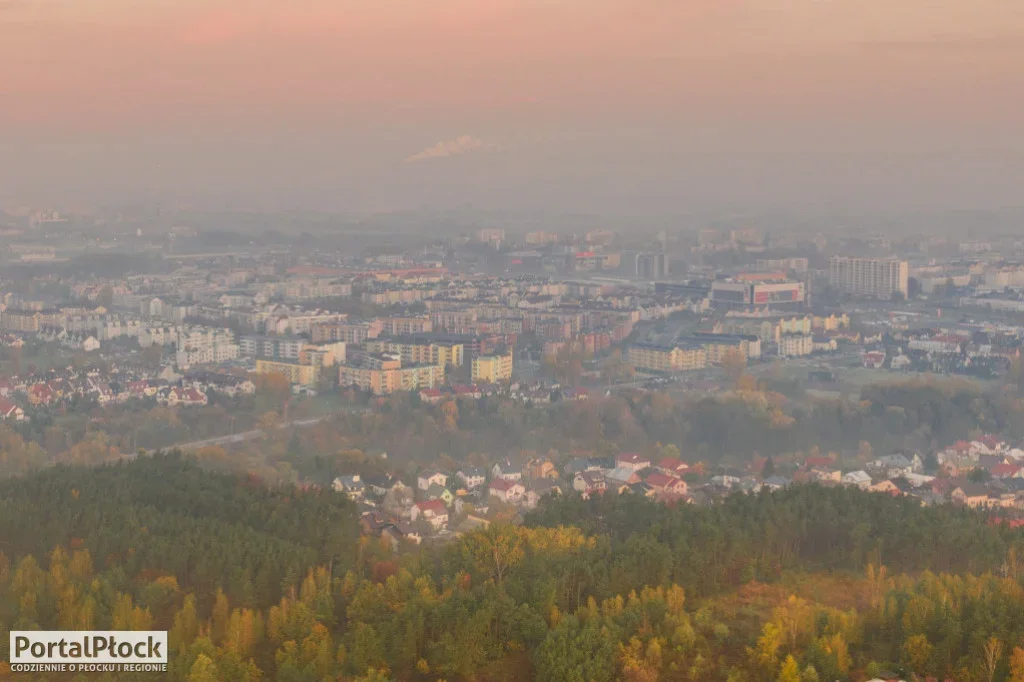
(1003, 470)
(6, 407)
(673, 464)
(436, 507)
(660, 480)
(818, 462)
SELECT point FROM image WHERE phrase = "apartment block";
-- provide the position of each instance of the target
(405, 326)
(718, 346)
(421, 351)
(383, 374)
(675, 358)
(492, 369)
(869, 277)
(352, 333)
(201, 345)
(302, 375)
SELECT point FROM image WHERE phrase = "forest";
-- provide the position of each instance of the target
(256, 581)
(728, 429)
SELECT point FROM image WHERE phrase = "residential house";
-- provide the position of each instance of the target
(439, 492)
(381, 485)
(640, 488)
(184, 397)
(673, 466)
(472, 477)
(541, 468)
(824, 474)
(1006, 470)
(352, 486)
(725, 481)
(409, 533)
(506, 471)
(430, 477)
(885, 486)
(664, 484)
(776, 483)
(919, 480)
(41, 394)
(542, 488)
(892, 466)
(589, 482)
(432, 511)
(578, 465)
(632, 460)
(10, 411)
(970, 494)
(508, 491)
(622, 475)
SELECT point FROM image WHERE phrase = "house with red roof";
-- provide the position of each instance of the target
(1005, 470)
(632, 460)
(41, 394)
(507, 491)
(433, 511)
(663, 484)
(10, 411)
(673, 466)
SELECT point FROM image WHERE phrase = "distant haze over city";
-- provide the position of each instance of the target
(643, 106)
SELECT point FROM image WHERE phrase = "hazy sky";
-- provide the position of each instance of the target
(582, 104)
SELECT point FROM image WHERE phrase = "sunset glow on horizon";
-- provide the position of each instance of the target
(112, 84)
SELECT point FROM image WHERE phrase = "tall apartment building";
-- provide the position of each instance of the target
(21, 321)
(420, 350)
(675, 358)
(651, 266)
(302, 375)
(352, 333)
(200, 345)
(383, 373)
(491, 369)
(271, 347)
(405, 326)
(869, 277)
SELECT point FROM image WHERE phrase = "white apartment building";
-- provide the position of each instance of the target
(158, 336)
(795, 345)
(869, 277)
(201, 345)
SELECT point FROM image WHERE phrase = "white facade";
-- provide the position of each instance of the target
(201, 345)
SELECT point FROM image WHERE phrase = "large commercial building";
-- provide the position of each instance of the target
(744, 293)
(650, 266)
(492, 369)
(869, 277)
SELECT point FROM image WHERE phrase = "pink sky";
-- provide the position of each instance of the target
(559, 81)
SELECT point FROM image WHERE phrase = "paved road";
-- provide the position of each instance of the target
(243, 436)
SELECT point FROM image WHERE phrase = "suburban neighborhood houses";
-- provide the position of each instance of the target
(985, 473)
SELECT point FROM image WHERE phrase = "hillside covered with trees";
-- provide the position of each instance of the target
(274, 583)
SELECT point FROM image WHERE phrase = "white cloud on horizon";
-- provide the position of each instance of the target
(460, 146)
